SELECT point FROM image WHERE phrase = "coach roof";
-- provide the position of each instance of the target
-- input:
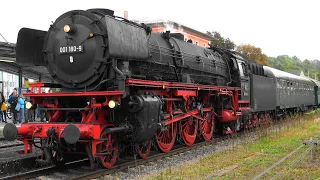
(272, 72)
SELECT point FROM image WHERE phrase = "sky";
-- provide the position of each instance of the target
(278, 27)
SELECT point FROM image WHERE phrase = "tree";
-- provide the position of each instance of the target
(287, 63)
(253, 53)
(221, 42)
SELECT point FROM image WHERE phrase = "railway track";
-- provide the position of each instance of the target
(4, 146)
(10, 145)
(78, 170)
(138, 162)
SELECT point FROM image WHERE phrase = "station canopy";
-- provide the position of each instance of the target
(8, 64)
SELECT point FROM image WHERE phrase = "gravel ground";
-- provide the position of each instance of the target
(193, 155)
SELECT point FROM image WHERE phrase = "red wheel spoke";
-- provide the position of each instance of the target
(144, 149)
(108, 146)
(188, 131)
(207, 126)
(165, 139)
(189, 126)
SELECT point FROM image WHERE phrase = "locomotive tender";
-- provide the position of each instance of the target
(124, 87)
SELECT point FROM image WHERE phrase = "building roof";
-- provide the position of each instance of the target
(295, 72)
(162, 22)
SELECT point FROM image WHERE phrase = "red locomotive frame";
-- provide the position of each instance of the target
(94, 132)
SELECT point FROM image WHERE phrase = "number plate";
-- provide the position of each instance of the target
(71, 49)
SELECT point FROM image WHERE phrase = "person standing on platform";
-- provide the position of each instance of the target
(13, 100)
(15, 90)
(3, 108)
(21, 110)
(1, 114)
(26, 83)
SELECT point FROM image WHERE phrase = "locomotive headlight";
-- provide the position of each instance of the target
(66, 28)
(112, 104)
(28, 105)
(69, 28)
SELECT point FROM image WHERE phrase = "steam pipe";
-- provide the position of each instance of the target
(119, 73)
(117, 129)
(115, 68)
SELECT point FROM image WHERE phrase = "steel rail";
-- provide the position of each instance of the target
(127, 164)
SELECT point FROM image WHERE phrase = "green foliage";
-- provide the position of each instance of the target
(221, 42)
(287, 63)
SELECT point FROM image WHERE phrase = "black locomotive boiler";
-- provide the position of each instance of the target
(126, 88)
(84, 49)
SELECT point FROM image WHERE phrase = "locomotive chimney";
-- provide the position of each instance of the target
(125, 14)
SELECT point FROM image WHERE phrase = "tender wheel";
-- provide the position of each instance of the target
(108, 150)
(166, 139)
(144, 149)
(207, 126)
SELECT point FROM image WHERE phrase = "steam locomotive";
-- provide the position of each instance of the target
(125, 88)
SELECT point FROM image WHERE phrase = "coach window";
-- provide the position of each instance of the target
(279, 89)
(282, 87)
(293, 88)
(298, 86)
(305, 89)
(299, 89)
(310, 90)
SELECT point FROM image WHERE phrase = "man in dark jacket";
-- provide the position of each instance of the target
(13, 100)
(14, 90)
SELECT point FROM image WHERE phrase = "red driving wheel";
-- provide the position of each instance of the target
(107, 151)
(165, 139)
(207, 126)
(144, 149)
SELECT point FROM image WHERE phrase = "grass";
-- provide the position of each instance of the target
(248, 159)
